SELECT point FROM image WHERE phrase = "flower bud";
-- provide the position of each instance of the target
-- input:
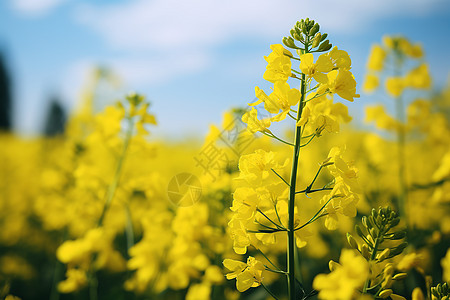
(332, 265)
(399, 276)
(351, 241)
(365, 251)
(292, 32)
(387, 282)
(389, 270)
(314, 29)
(397, 250)
(398, 235)
(325, 46)
(417, 294)
(359, 231)
(289, 42)
(394, 222)
(316, 40)
(386, 293)
(365, 222)
(384, 254)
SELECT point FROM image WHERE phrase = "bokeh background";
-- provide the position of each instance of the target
(193, 59)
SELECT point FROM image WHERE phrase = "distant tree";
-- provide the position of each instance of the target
(5, 97)
(56, 118)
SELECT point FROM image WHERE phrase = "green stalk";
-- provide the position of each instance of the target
(401, 139)
(372, 257)
(291, 230)
(93, 282)
(113, 187)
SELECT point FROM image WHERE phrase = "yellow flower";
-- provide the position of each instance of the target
(340, 58)
(395, 86)
(409, 261)
(342, 83)
(253, 123)
(376, 58)
(245, 201)
(238, 232)
(371, 83)
(76, 279)
(417, 294)
(282, 98)
(345, 279)
(316, 70)
(279, 64)
(343, 171)
(256, 168)
(322, 114)
(213, 274)
(200, 291)
(247, 275)
(445, 263)
(418, 78)
(108, 122)
(382, 120)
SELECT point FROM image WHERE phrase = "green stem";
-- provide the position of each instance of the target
(262, 253)
(268, 291)
(93, 285)
(401, 158)
(113, 187)
(401, 138)
(372, 257)
(279, 176)
(277, 138)
(129, 228)
(93, 282)
(291, 233)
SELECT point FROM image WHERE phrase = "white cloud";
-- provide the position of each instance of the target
(168, 24)
(168, 33)
(35, 7)
(155, 70)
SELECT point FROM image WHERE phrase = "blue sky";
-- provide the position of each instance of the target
(193, 59)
